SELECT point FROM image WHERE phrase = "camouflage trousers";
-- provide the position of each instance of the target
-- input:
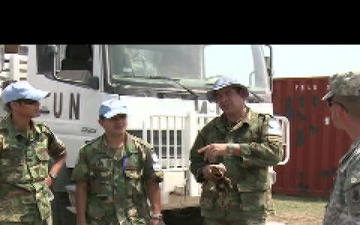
(109, 220)
(37, 221)
(235, 222)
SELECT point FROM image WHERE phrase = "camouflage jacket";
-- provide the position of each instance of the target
(24, 162)
(259, 137)
(344, 203)
(117, 179)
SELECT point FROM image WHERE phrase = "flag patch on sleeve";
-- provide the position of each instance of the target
(274, 127)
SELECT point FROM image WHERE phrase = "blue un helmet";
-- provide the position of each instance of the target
(112, 107)
(22, 90)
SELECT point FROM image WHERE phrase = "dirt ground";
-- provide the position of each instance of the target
(297, 219)
(289, 210)
(298, 210)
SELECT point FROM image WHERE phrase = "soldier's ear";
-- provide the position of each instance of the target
(14, 104)
(338, 111)
(343, 111)
(243, 93)
(100, 121)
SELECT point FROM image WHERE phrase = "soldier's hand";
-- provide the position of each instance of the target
(208, 170)
(48, 181)
(212, 151)
(157, 222)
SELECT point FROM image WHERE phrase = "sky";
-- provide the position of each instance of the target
(314, 60)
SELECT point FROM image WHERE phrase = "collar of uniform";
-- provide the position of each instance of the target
(7, 124)
(223, 123)
(249, 116)
(129, 146)
(104, 147)
(353, 150)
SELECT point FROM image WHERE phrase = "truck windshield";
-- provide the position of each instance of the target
(192, 65)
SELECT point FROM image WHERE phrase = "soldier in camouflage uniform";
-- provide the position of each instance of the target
(25, 150)
(116, 174)
(343, 100)
(241, 144)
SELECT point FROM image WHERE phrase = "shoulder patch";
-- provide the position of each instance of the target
(156, 162)
(154, 157)
(273, 123)
(274, 127)
(150, 150)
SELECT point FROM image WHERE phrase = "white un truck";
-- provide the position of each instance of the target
(164, 87)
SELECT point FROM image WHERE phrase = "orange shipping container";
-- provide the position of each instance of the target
(315, 144)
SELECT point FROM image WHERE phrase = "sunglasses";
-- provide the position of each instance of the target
(116, 117)
(28, 101)
(329, 102)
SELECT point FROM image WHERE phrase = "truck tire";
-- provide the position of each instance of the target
(188, 216)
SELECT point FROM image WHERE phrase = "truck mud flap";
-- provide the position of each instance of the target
(188, 216)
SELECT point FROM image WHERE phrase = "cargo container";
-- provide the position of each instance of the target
(315, 144)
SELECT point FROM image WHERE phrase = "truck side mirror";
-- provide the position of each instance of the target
(268, 65)
(51, 50)
(2, 57)
(94, 83)
(267, 62)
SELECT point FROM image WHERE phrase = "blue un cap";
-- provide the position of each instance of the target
(22, 90)
(223, 82)
(112, 107)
